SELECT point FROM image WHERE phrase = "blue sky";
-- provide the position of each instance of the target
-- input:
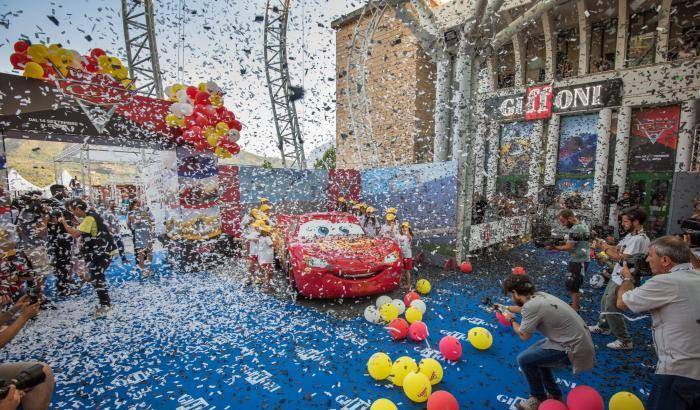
(223, 43)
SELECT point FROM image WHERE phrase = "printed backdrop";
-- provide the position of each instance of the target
(653, 139)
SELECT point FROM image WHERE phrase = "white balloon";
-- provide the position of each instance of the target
(419, 304)
(382, 300)
(234, 135)
(399, 305)
(372, 314)
(169, 91)
(174, 108)
(212, 87)
(182, 96)
(187, 109)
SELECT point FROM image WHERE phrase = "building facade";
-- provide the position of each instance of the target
(400, 91)
(586, 98)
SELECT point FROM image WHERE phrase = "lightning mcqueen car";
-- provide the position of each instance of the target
(329, 255)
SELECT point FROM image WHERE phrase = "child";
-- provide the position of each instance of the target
(390, 229)
(251, 236)
(266, 255)
(370, 222)
(405, 238)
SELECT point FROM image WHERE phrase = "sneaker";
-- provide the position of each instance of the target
(599, 330)
(102, 310)
(620, 345)
(530, 404)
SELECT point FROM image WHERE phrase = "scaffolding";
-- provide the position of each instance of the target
(141, 48)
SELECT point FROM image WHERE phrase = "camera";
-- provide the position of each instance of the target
(486, 301)
(26, 379)
(691, 228)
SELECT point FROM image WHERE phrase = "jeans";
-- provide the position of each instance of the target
(120, 245)
(97, 270)
(674, 392)
(537, 363)
(610, 316)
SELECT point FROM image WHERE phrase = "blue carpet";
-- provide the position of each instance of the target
(203, 341)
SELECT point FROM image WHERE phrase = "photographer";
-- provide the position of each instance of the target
(673, 297)
(98, 248)
(567, 341)
(38, 394)
(610, 319)
(59, 241)
(578, 244)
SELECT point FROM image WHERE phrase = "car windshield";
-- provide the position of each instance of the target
(320, 228)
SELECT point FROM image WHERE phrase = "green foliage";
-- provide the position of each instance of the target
(327, 161)
(266, 164)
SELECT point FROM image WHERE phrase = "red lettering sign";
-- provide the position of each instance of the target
(538, 103)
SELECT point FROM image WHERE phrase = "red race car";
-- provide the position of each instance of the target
(329, 255)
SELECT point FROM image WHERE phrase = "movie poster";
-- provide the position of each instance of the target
(515, 148)
(577, 144)
(653, 139)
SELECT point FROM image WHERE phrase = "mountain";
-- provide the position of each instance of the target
(34, 161)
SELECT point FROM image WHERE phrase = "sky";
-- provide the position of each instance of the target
(223, 42)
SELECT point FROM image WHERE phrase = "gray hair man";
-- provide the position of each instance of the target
(673, 297)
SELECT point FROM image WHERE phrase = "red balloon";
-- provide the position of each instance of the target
(197, 131)
(236, 125)
(18, 60)
(92, 68)
(551, 404)
(191, 91)
(210, 111)
(201, 119)
(451, 348)
(48, 70)
(398, 328)
(202, 97)
(21, 46)
(234, 149)
(410, 297)
(189, 122)
(502, 319)
(96, 52)
(584, 398)
(418, 331)
(466, 267)
(442, 400)
(188, 136)
(518, 270)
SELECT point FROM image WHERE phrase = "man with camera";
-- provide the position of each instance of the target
(672, 295)
(567, 340)
(578, 244)
(31, 383)
(611, 320)
(60, 242)
(98, 248)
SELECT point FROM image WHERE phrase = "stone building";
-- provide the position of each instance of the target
(400, 88)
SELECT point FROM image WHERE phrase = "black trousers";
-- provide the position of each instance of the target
(97, 268)
(62, 270)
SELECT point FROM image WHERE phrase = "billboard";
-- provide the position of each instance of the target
(516, 147)
(653, 139)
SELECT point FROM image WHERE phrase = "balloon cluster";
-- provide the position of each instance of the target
(205, 123)
(40, 61)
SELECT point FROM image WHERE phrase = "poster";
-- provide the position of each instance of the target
(577, 144)
(653, 139)
(516, 147)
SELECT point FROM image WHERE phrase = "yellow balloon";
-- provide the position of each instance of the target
(202, 86)
(212, 139)
(180, 121)
(55, 47)
(38, 52)
(177, 87)
(413, 315)
(423, 286)
(480, 338)
(379, 366)
(625, 400)
(431, 369)
(33, 70)
(417, 387)
(383, 404)
(401, 367)
(388, 312)
(171, 119)
(222, 153)
(221, 128)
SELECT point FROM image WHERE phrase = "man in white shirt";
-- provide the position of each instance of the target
(611, 320)
(673, 297)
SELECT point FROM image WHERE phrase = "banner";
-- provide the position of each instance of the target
(577, 144)
(198, 192)
(515, 148)
(230, 200)
(653, 139)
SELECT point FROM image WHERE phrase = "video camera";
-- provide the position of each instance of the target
(638, 265)
(559, 238)
(691, 228)
(26, 379)
(486, 301)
